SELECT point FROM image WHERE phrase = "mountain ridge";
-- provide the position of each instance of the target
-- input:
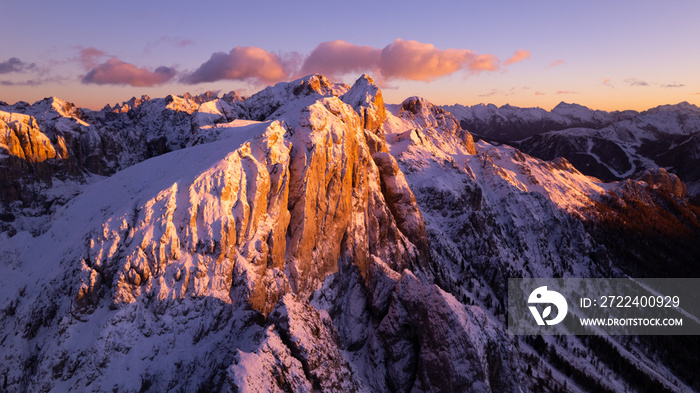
(607, 145)
(312, 237)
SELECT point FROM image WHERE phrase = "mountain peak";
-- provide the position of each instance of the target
(267, 101)
(416, 105)
(132, 103)
(314, 83)
(365, 78)
(568, 107)
(208, 96)
(232, 97)
(682, 107)
(366, 98)
(50, 108)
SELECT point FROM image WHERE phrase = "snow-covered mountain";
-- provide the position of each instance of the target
(310, 238)
(607, 145)
(510, 123)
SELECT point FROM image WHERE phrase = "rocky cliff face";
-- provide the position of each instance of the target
(319, 241)
(25, 149)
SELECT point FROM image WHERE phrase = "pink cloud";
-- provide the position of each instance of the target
(402, 59)
(338, 57)
(608, 82)
(555, 63)
(519, 55)
(539, 93)
(567, 92)
(117, 72)
(418, 61)
(241, 63)
(484, 63)
(91, 57)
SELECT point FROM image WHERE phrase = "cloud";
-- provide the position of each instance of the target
(493, 92)
(291, 61)
(608, 82)
(339, 57)
(30, 82)
(484, 63)
(642, 83)
(539, 93)
(35, 81)
(402, 59)
(555, 63)
(117, 72)
(91, 57)
(636, 82)
(506, 93)
(14, 64)
(241, 63)
(567, 92)
(520, 55)
(178, 42)
(414, 60)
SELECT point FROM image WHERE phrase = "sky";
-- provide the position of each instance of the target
(609, 55)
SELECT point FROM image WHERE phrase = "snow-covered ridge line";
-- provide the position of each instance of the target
(607, 145)
(311, 238)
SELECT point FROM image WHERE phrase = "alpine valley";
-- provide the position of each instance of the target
(311, 237)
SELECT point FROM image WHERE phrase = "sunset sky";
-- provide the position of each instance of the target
(610, 55)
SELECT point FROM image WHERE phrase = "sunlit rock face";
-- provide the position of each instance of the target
(201, 234)
(24, 149)
(307, 238)
(289, 201)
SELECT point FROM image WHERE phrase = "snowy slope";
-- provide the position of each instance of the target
(307, 238)
(492, 212)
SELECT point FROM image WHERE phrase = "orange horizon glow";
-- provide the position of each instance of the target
(609, 100)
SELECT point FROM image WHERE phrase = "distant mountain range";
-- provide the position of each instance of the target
(607, 145)
(311, 237)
